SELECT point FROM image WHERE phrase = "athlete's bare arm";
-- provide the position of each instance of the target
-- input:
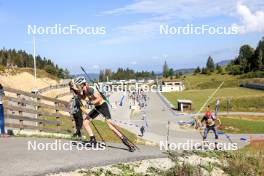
(97, 98)
(82, 96)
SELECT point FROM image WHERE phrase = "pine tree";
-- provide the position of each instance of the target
(219, 69)
(246, 58)
(171, 73)
(152, 73)
(259, 55)
(20, 58)
(165, 70)
(210, 66)
(197, 70)
(101, 75)
(204, 71)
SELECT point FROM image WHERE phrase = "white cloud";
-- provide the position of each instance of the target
(170, 11)
(184, 8)
(250, 22)
(146, 6)
(179, 8)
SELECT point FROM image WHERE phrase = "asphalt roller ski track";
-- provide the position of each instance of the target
(16, 159)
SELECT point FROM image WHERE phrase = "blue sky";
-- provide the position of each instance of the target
(132, 28)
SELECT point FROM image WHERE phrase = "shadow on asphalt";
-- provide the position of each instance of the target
(115, 147)
(110, 146)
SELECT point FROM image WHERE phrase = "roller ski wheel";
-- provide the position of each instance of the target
(130, 147)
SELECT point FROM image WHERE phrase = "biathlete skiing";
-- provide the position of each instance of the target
(81, 88)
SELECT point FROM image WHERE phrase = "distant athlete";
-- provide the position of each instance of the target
(210, 123)
(76, 112)
(86, 92)
(217, 107)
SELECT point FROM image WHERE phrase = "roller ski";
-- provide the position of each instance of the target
(131, 147)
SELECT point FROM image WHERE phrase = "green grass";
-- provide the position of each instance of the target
(247, 161)
(198, 97)
(243, 162)
(201, 81)
(102, 127)
(253, 80)
(244, 104)
(248, 125)
(241, 99)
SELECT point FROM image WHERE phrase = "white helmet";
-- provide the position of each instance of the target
(80, 80)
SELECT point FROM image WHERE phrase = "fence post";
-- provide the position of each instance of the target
(26, 111)
(57, 116)
(37, 115)
(21, 124)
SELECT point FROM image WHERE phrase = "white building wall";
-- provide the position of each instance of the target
(172, 87)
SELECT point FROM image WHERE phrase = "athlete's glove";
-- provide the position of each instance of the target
(73, 87)
(90, 102)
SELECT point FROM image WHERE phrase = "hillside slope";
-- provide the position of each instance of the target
(25, 81)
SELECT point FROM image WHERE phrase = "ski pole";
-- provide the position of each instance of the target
(115, 126)
(119, 131)
(86, 112)
(228, 137)
(124, 136)
(168, 133)
(97, 131)
(96, 86)
(87, 75)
